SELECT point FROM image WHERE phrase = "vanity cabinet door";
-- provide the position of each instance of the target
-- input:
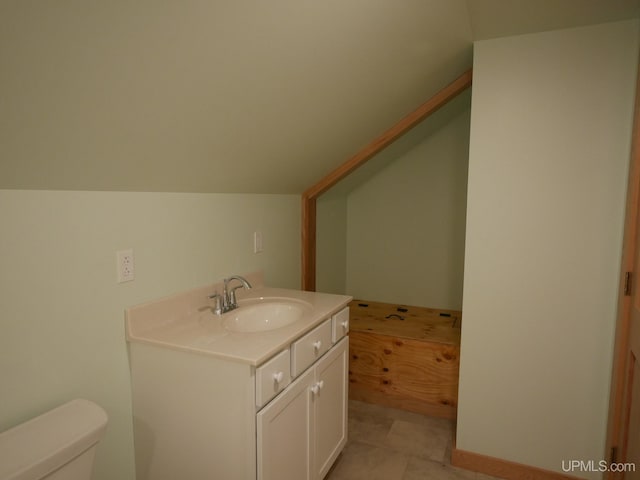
(303, 430)
(284, 431)
(330, 408)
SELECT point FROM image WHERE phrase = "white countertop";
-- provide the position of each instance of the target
(185, 322)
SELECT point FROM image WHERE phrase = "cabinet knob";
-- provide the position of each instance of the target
(278, 377)
(345, 325)
(317, 345)
(315, 389)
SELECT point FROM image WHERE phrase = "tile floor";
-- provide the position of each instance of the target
(390, 444)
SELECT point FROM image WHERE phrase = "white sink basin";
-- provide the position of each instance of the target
(264, 315)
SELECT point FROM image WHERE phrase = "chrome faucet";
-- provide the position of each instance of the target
(229, 296)
(227, 301)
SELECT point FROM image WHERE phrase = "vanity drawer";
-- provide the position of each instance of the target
(310, 347)
(272, 377)
(340, 324)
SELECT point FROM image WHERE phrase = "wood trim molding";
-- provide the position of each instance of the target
(395, 132)
(497, 467)
(616, 416)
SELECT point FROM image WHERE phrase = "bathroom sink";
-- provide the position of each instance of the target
(264, 315)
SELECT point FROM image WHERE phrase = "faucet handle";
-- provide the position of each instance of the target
(232, 297)
(218, 308)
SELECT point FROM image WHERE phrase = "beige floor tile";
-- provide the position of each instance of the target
(422, 440)
(483, 476)
(392, 444)
(361, 461)
(368, 424)
(422, 469)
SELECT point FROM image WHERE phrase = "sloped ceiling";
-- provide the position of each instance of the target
(500, 18)
(224, 95)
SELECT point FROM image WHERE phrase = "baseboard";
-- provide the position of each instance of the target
(497, 467)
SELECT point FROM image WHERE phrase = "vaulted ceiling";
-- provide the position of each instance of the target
(231, 95)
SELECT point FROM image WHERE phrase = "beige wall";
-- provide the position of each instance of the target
(331, 243)
(61, 323)
(405, 225)
(550, 140)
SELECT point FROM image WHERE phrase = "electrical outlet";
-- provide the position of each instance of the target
(124, 262)
(257, 241)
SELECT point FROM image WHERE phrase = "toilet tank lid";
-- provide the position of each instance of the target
(44, 443)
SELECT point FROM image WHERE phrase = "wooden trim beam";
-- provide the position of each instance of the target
(309, 197)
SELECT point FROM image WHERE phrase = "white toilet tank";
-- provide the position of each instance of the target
(59, 444)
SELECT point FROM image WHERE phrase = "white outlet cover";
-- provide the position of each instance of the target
(125, 265)
(257, 241)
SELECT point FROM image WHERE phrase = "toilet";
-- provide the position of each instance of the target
(59, 444)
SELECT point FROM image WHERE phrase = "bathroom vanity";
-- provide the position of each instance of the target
(256, 394)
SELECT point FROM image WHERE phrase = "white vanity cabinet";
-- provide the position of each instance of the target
(300, 433)
(204, 417)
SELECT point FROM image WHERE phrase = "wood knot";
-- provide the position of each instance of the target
(398, 343)
(387, 351)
